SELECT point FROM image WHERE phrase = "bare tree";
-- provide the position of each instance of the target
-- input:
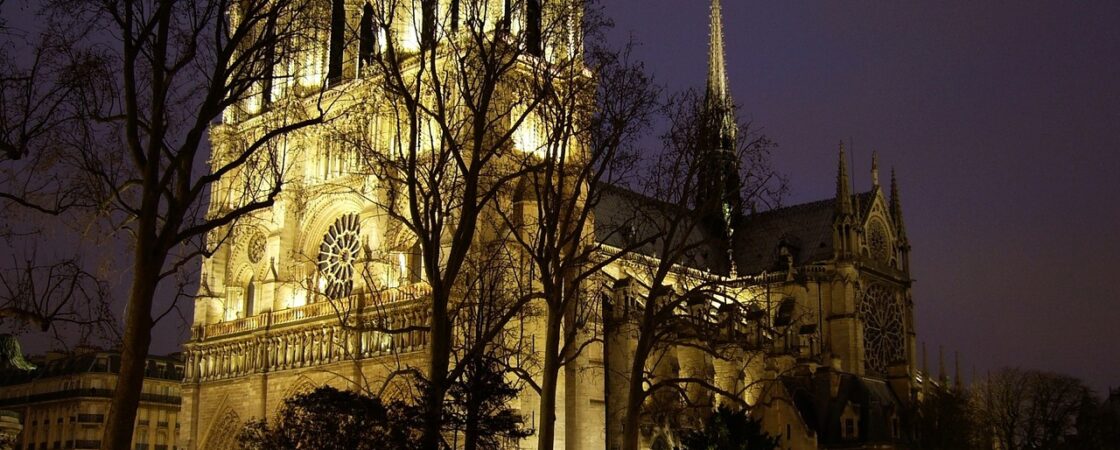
(1028, 409)
(133, 90)
(685, 294)
(456, 87)
(589, 125)
(48, 296)
(40, 290)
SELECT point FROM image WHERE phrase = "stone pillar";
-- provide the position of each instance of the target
(619, 341)
(10, 427)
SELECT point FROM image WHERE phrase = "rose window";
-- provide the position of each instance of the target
(256, 247)
(337, 254)
(877, 240)
(883, 331)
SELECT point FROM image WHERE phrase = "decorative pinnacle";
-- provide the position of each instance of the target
(896, 206)
(875, 169)
(843, 195)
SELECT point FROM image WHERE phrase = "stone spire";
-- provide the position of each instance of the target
(722, 126)
(718, 196)
(941, 365)
(843, 192)
(896, 207)
(957, 370)
(717, 66)
(875, 169)
(926, 379)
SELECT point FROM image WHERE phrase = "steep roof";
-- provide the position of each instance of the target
(623, 217)
(822, 409)
(805, 228)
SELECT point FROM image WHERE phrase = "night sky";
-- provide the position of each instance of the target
(1003, 122)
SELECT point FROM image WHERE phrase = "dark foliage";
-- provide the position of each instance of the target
(330, 419)
(478, 408)
(728, 429)
(944, 422)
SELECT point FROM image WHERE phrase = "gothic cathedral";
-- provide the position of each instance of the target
(827, 282)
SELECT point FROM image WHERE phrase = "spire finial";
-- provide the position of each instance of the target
(717, 66)
(957, 369)
(875, 168)
(843, 194)
(896, 206)
(722, 126)
(941, 364)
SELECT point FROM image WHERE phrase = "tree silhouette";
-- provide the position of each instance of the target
(728, 429)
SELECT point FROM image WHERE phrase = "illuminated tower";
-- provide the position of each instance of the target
(718, 198)
(327, 286)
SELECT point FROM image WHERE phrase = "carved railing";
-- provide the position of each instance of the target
(389, 324)
(268, 319)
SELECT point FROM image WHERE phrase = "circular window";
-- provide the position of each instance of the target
(256, 247)
(337, 254)
(877, 241)
(883, 331)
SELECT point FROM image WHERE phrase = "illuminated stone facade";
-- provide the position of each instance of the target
(282, 302)
(64, 402)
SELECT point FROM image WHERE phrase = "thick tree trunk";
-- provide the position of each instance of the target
(134, 352)
(440, 357)
(471, 437)
(631, 424)
(633, 420)
(547, 428)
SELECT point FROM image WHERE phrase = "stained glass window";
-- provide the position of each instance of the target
(337, 255)
(883, 330)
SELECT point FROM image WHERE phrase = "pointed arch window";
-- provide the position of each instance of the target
(415, 263)
(533, 31)
(454, 15)
(337, 42)
(250, 296)
(367, 37)
(428, 23)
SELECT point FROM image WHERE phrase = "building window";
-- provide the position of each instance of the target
(533, 34)
(250, 296)
(849, 428)
(367, 37)
(337, 41)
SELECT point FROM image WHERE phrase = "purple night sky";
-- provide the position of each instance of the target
(1003, 122)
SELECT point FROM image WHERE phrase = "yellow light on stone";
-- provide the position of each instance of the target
(299, 298)
(529, 136)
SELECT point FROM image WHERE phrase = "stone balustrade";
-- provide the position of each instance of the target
(310, 335)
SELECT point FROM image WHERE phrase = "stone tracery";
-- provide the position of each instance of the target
(337, 254)
(883, 330)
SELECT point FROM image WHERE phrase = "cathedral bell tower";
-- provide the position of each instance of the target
(718, 200)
